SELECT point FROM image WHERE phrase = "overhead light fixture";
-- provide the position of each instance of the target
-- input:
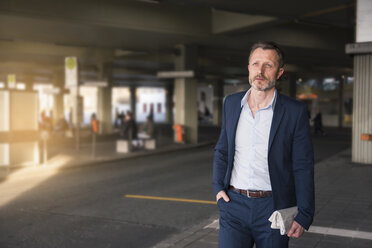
(232, 81)
(121, 52)
(150, 1)
(176, 74)
(96, 83)
(51, 90)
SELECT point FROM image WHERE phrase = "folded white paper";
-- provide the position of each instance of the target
(282, 219)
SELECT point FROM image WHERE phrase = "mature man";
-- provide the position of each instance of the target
(263, 160)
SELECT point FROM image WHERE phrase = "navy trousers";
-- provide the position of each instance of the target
(244, 222)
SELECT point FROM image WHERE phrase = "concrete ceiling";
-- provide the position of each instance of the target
(36, 35)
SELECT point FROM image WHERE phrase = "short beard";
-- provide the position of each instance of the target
(269, 86)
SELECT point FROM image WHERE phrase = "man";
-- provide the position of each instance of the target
(263, 160)
(129, 129)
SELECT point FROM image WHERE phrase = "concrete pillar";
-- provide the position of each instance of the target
(217, 102)
(104, 108)
(341, 101)
(58, 108)
(169, 102)
(72, 80)
(362, 95)
(362, 109)
(185, 94)
(28, 80)
(133, 100)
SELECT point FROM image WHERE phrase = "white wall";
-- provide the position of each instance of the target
(4, 111)
(147, 96)
(364, 20)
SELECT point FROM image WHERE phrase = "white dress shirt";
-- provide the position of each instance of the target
(251, 170)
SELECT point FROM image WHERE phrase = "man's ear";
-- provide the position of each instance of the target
(280, 73)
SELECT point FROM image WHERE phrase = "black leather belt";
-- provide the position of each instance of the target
(252, 193)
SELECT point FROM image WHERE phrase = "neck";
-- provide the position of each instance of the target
(260, 99)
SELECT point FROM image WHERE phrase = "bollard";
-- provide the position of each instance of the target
(93, 145)
(44, 137)
(178, 133)
(94, 133)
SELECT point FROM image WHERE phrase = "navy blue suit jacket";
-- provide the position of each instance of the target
(290, 155)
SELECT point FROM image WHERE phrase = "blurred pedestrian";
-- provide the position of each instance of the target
(44, 122)
(121, 118)
(117, 121)
(129, 129)
(61, 127)
(318, 124)
(146, 130)
(94, 123)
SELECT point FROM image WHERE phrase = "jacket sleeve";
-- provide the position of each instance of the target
(220, 161)
(303, 170)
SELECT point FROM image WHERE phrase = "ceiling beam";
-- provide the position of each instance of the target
(224, 22)
(116, 14)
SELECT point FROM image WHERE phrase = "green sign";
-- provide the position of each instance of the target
(70, 62)
(11, 81)
(71, 73)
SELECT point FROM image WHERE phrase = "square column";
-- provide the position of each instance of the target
(186, 108)
(362, 109)
(217, 102)
(185, 94)
(169, 103)
(133, 101)
(104, 105)
(58, 108)
(362, 98)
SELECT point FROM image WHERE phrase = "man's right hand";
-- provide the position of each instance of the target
(222, 194)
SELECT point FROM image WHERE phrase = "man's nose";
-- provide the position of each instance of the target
(262, 69)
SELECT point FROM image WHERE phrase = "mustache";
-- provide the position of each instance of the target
(260, 76)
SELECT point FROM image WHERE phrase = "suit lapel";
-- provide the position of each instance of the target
(235, 117)
(277, 117)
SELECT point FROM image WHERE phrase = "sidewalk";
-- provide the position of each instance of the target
(343, 210)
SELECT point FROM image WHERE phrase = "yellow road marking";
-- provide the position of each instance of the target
(169, 199)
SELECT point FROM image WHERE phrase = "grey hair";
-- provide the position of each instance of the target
(269, 45)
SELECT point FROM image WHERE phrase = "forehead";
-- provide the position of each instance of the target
(264, 55)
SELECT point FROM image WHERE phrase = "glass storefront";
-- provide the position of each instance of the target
(120, 103)
(46, 100)
(348, 101)
(151, 101)
(323, 95)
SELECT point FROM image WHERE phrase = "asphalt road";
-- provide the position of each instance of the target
(87, 207)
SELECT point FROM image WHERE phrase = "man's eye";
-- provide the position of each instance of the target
(268, 65)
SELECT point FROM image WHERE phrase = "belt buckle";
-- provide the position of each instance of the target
(248, 194)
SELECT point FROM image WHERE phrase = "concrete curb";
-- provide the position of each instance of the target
(136, 155)
(40, 169)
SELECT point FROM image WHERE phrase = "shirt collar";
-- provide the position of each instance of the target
(245, 99)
